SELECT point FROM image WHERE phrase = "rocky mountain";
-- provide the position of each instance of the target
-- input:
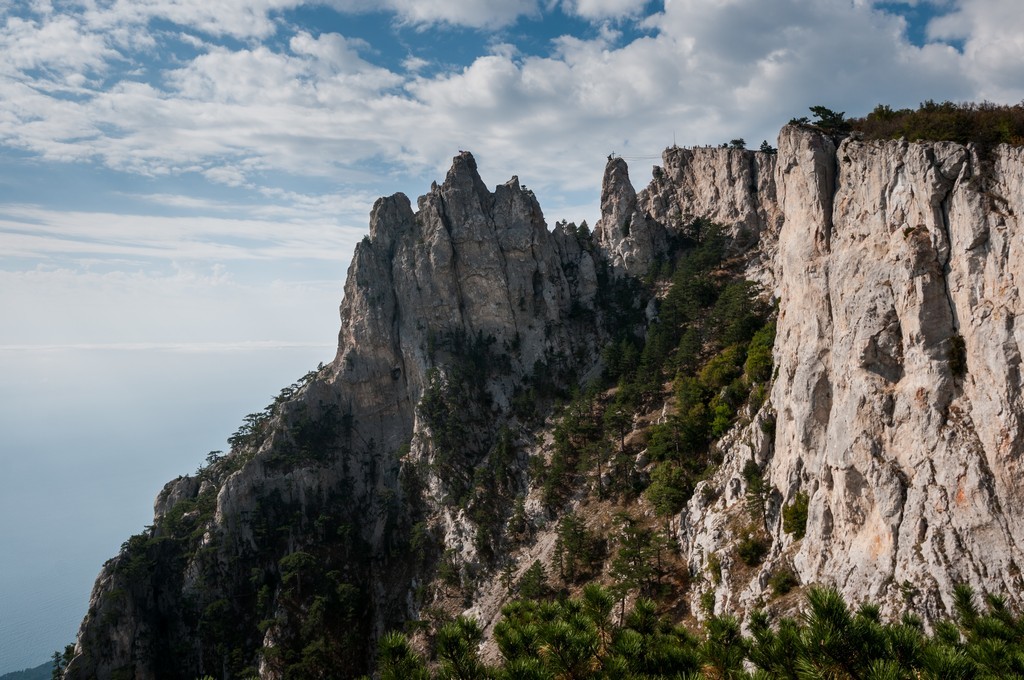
(432, 464)
(41, 672)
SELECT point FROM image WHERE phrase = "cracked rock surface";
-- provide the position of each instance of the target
(889, 256)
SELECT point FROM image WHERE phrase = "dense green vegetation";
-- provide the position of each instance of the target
(986, 124)
(707, 357)
(712, 339)
(709, 348)
(794, 515)
(314, 598)
(456, 406)
(585, 637)
(826, 119)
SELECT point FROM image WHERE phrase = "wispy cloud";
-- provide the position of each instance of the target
(181, 347)
(316, 104)
(37, 232)
(491, 14)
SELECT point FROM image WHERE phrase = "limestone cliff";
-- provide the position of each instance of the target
(898, 392)
(895, 407)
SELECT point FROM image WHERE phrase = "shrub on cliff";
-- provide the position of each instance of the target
(986, 124)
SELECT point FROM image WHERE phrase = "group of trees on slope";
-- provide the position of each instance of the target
(985, 124)
(583, 638)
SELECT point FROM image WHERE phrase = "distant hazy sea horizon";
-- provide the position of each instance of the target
(88, 436)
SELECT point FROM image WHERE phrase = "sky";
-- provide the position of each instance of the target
(182, 183)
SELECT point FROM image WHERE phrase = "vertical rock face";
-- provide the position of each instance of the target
(910, 482)
(898, 390)
(732, 187)
(896, 408)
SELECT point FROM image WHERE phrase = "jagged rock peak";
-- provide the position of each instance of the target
(618, 201)
(464, 171)
(731, 187)
(468, 260)
(388, 215)
(469, 271)
(631, 241)
(463, 186)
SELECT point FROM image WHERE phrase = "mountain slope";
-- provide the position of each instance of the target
(390, 484)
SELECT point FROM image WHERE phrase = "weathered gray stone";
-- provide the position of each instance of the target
(889, 251)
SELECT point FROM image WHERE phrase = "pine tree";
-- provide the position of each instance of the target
(457, 644)
(396, 659)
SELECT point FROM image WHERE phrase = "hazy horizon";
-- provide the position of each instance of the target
(89, 437)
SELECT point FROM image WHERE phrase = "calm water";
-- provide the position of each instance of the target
(87, 439)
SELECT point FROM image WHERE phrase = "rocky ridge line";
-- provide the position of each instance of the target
(890, 262)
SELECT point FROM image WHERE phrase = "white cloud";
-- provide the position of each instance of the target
(414, 64)
(56, 44)
(473, 13)
(315, 105)
(993, 35)
(595, 10)
(229, 175)
(42, 234)
(236, 18)
(318, 72)
(710, 73)
(226, 113)
(259, 18)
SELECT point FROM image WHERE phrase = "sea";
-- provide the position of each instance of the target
(88, 437)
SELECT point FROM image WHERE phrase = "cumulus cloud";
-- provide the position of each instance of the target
(472, 13)
(992, 32)
(54, 44)
(707, 73)
(317, 104)
(596, 10)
